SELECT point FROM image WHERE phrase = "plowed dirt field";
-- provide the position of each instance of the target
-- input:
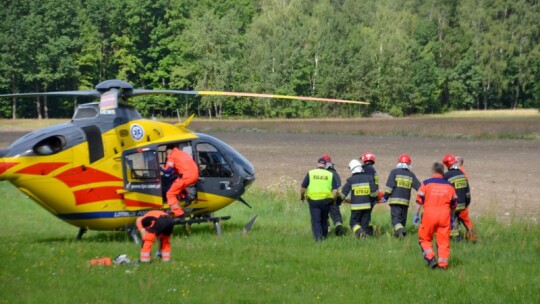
(504, 173)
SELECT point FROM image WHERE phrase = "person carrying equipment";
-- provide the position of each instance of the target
(320, 189)
(155, 224)
(335, 213)
(398, 193)
(181, 163)
(459, 180)
(438, 199)
(360, 191)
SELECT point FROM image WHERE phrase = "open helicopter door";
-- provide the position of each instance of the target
(142, 183)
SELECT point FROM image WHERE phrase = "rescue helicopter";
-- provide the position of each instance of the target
(101, 170)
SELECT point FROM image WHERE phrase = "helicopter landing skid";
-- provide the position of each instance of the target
(82, 231)
(215, 220)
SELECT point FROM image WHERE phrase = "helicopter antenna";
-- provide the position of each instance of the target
(186, 123)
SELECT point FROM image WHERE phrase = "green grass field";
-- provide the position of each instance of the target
(276, 262)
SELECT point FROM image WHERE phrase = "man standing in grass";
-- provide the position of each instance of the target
(458, 178)
(360, 191)
(368, 160)
(335, 213)
(398, 193)
(320, 189)
(438, 198)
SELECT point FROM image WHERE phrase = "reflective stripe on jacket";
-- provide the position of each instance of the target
(360, 190)
(399, 185)
(461, 184)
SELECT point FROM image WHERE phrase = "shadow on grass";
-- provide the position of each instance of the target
(122, 236)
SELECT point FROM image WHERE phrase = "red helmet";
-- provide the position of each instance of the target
(327, 158)
(448, 160)
(368, 157)
(404, 158)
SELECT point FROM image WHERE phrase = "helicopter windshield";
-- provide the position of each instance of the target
(211, 162)
(236, 156)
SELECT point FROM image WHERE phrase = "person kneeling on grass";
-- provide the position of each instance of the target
(152, 225)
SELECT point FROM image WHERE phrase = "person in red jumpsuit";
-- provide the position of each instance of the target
(155, 224)
(184, 166)
(439, 200)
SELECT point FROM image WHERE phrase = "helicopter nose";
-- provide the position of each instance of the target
(248, 180)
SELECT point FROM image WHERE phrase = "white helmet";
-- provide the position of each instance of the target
(355, 166)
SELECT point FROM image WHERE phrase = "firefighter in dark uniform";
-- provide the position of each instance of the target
(459, 180)
(360, 191)
(398, 193)
(335, 213)
(320, 189)
(368, 160)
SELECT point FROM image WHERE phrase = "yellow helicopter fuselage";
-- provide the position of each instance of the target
(102, 174)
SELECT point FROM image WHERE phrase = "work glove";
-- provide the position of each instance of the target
(383, 200)
(416, 220)
(302, 198)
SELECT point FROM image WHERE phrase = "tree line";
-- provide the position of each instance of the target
(405, 57)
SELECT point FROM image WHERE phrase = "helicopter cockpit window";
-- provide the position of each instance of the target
(211, 162)
(142, 168)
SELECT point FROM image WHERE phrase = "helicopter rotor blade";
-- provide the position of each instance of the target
(85, 93)
(242, 94)
(125, 91)
(139, 92)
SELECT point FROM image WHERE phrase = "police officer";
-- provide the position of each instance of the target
(360, 191)
(320, 189)
(459, 180)
(438, 199)
(398, 193)
(335, 213)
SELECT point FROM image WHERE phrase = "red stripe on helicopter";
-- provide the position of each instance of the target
(83, 175)
(92, 195)
(133, 203)
(41, 168)
(5, 166)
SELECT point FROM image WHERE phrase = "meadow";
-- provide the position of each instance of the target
(276, 262)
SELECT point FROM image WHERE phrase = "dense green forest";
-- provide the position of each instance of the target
(403, 56)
